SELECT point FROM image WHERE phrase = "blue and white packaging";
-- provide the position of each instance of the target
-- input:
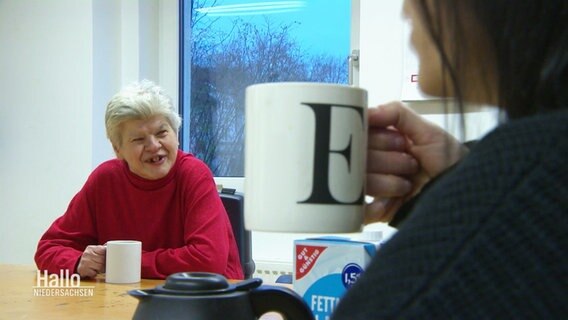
(325, 268)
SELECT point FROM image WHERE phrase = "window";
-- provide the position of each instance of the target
(228, 45)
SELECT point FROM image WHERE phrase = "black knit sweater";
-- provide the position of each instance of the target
(489, 240)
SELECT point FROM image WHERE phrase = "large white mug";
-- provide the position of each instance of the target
(305, 157)
(123, 261)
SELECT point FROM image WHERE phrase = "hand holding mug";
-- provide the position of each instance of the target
(92, 261)
(404, 152)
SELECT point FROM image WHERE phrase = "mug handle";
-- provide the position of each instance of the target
(279, 299)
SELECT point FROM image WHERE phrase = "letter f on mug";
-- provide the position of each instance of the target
(305, 156)
(320, 192)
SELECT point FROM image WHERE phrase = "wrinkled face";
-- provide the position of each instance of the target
(148, 146)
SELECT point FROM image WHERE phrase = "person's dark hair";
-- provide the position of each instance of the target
(529, 40)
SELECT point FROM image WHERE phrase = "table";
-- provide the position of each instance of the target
(18, 300)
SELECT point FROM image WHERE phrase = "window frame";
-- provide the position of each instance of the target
(232, 182)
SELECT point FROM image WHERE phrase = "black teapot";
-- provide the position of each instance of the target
(209, 296)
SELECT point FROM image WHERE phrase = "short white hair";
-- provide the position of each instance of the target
(138, 101)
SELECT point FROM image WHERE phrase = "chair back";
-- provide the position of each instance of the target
(234, 205)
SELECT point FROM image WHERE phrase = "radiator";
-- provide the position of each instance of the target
(269, 271)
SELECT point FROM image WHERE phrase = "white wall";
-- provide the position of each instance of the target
(381, 45)
(60, 62)
(45, 112)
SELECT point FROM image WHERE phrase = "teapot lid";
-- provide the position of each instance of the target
(200, 283)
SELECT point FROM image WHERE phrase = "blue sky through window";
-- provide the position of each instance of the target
(323, 25)
(236, 43)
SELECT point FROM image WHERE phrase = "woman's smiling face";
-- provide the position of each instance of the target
(149, 147)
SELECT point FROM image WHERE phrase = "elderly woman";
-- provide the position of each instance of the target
(151, 192)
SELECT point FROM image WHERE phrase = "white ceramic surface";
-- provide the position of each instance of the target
(305, 154)
(123, 261)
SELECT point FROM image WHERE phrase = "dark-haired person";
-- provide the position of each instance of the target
(487, 234)
(151, 192)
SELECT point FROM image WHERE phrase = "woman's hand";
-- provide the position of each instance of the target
(92, 261)
(405, 151)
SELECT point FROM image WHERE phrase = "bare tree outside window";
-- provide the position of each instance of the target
(228, 57)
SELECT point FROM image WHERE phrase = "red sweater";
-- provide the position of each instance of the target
(180, 220)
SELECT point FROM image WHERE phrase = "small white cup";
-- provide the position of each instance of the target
(123, 261)
(305, 157)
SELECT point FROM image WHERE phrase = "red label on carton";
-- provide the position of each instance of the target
(306, 258)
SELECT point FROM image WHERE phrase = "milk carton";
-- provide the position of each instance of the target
(324, 268)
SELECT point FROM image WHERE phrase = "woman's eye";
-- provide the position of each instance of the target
(162, 133)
